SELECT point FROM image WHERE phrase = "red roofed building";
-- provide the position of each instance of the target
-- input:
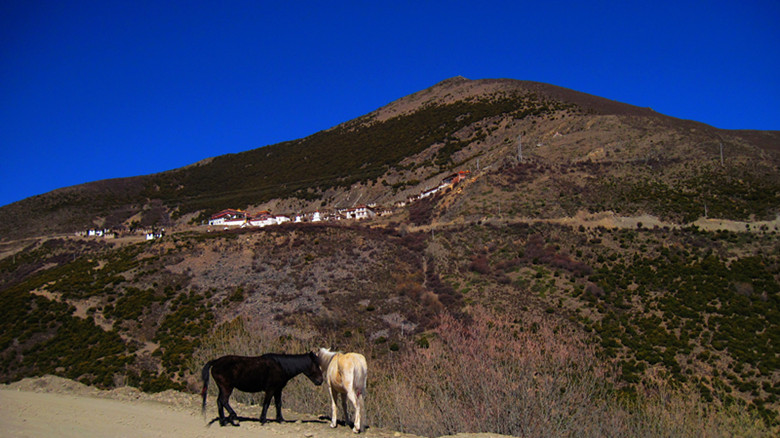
(229, 218)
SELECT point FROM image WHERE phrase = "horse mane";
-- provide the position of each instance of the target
(324, 356)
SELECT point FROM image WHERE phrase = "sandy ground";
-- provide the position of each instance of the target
(54, 407)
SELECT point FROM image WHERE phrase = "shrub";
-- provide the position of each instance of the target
(491, 376)
(421, 212)
(480, 264)
(534, 378)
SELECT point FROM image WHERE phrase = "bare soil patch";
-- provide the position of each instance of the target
(53, 406)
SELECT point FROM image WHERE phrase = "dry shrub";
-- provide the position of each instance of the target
(445, 294)
(479, 264)
(421, 212)
(407, 284)
(661, 410)
(531, 378)
(431, 302)
(594, 290)
(492, 376)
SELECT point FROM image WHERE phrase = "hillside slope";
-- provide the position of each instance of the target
(407, 146)
(655, 301)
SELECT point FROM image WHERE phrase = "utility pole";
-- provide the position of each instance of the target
(520, 147)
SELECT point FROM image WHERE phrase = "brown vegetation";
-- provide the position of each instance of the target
(532, 377)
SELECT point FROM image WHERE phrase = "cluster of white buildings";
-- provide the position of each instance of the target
(239, 218)
(93, 232)
(112, 234)
(97, 232)
(447, 183)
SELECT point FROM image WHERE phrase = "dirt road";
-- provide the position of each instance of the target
(55, 407)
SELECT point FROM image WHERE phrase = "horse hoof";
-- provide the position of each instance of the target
(333, 425)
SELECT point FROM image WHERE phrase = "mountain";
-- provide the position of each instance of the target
(651, 240)
(408, 145)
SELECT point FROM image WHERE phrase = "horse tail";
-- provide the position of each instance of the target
(359, 384)
(205, 376)
(360, 376)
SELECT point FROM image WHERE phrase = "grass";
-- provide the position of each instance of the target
(486, 373)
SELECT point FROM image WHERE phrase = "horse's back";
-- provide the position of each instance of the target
(357, 359)
(348, 369)
(242, 364)
(246, 373)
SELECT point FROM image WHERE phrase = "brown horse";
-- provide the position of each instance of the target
(346, 376)
(269, 373)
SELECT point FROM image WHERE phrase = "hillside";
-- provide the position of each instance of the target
(403, 148)
(623, 252)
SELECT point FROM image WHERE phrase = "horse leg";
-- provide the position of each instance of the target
(333, 409)
(223, 402)
(220, 409)
(278, 400)
(356, 402)
(344, 408)
(266, 403)
(361, 425)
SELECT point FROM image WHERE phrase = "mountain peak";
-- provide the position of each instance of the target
(454, 80)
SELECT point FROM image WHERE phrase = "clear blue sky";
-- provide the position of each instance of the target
(91, 90)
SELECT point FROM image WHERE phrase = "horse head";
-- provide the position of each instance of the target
(313, 371)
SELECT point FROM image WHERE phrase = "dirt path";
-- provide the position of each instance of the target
(54, 407)
(34, 414)
(611, 220)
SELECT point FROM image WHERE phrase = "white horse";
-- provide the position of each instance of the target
(346, 376)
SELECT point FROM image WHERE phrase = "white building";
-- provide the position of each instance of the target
(359, 213)
(151, 235)
(264, 219)
(229, 218)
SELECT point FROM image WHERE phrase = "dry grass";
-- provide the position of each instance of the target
(682, 413)
(529, 378)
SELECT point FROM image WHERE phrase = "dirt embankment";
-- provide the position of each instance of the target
(51, 406)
